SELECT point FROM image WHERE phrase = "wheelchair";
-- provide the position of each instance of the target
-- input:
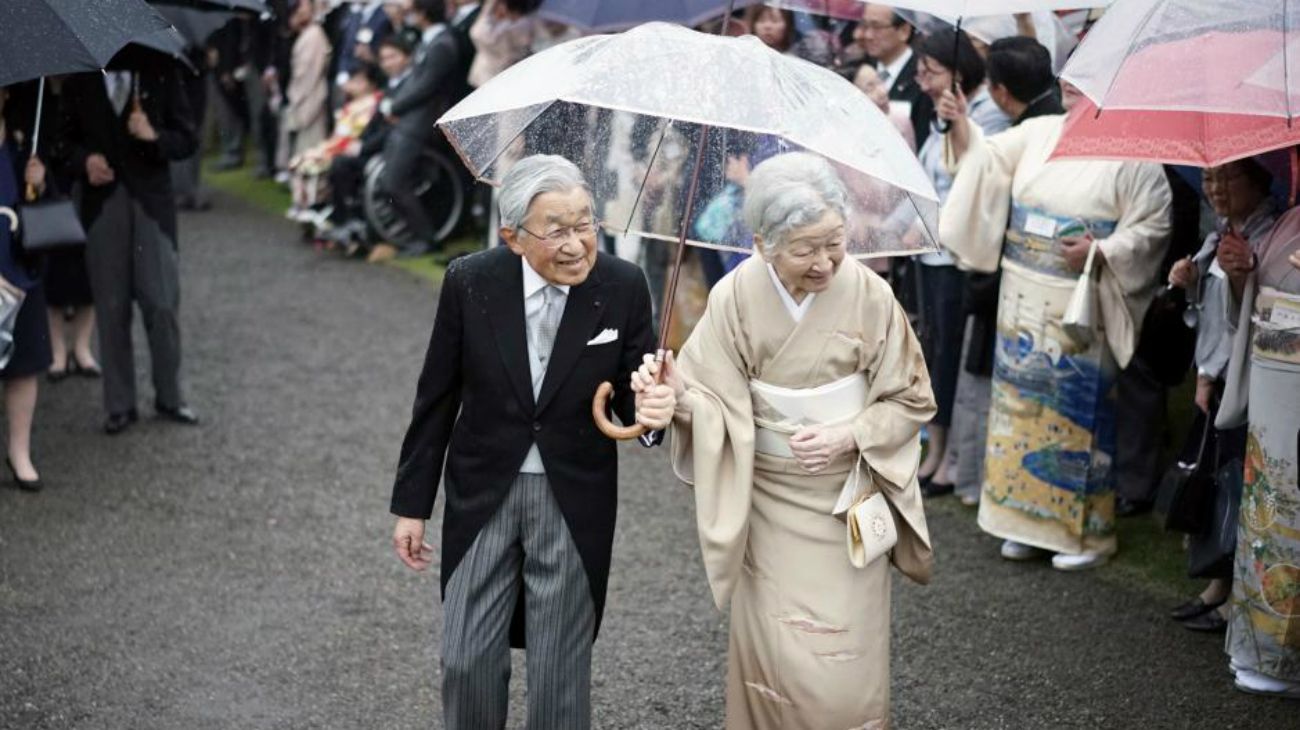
(442, 188)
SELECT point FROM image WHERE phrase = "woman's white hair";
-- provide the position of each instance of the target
(533, 176)
(790, 191)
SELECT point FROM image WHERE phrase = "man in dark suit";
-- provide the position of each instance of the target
(412, 109)
(123, 129)
(524, 335)
(887, 38)
(361, 30)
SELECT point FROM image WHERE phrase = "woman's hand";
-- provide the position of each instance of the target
(1075, 251)
(34, 175)
(1183, 274)
(1204, 393)
(815, 447)
(648, 375)
(1237, 261)
(1295, 259)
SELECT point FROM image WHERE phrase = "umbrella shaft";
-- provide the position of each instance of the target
(40, 106)
(671, 295)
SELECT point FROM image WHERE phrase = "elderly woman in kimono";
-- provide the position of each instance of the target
(802, 377)
(1263, 391)
(1049, 481)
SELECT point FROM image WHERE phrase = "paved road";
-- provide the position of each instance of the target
(238, 575)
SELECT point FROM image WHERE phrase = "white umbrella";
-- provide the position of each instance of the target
(952, 11)
(668, 84)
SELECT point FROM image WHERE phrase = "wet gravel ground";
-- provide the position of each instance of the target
(239, 575)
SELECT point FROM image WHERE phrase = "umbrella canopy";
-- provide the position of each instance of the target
(195, 25)
(257, 7)
(635, 110)
(949, 10)
(608, 15)
(143, 51)
(48, 37)
(1184, 81)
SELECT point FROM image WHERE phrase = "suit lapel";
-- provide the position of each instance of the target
(506, 312)
(581, 312)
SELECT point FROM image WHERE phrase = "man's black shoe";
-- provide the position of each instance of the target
(180, 414)
(118, 422)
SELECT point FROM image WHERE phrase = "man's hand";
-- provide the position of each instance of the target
(1183, 274)
(98, 172)
(1075, 251)
(816, 446)
(139, 126)
(408, 540)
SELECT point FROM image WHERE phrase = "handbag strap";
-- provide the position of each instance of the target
(1205, 440)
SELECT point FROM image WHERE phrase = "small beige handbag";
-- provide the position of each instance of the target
(1080, 318)
(871, 531)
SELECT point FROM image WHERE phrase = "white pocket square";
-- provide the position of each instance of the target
(604, 337)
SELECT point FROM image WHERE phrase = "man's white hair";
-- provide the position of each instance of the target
(790, 191)
(532, 176)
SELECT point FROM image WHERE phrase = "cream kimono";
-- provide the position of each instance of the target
(1049, 465)
(809, 643)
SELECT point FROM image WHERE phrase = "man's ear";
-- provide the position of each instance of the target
(511, 237)
(758, 247)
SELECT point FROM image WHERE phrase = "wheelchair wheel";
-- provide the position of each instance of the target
(441, 189)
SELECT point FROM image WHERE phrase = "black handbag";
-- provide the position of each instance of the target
(1167, 344)
(50, 224)
(1185, 499)
(1212, 555)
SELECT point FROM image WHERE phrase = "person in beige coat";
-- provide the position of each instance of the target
(802, 377)
(307, 113)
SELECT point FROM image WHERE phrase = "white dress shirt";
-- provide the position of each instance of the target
(891, 72)
(533, 301)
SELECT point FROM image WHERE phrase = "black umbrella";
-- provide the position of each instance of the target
(196, 25)
(143, 52)
(257, 7)
(47, 37)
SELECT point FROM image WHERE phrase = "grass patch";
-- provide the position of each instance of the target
(273, 198)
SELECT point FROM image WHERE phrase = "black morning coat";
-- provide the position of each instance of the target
(474, 406)
(91, 125)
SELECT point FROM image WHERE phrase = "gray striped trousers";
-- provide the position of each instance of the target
(525, 546)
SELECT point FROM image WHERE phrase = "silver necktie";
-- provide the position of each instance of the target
(546, 324)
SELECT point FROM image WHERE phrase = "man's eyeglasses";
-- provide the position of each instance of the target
(560, 236)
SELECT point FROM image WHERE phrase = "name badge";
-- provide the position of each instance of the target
(1040, 225)
(365, 35)
(1286, 314)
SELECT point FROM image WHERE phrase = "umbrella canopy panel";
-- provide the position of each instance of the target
(49, 37)
(1192, 56)
(630, 110)
(949, 10)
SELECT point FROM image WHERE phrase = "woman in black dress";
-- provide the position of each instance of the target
(30, 354)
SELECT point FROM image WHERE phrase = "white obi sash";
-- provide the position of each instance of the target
(779, 412)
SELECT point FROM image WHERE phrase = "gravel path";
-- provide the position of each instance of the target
(239, 575)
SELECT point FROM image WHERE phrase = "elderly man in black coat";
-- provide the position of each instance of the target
(123, 129)
(524, 335)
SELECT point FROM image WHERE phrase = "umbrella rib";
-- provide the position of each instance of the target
(627, 226)
(482, 175)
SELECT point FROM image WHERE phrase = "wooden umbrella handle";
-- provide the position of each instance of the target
(606, 426)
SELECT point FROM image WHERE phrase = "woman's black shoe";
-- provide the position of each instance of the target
(92, 372)
(32, 485)
(1207, 623)
(935, 489)
(55, 376)
(1193, 608)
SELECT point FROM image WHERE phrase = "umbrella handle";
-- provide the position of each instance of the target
(606, 426)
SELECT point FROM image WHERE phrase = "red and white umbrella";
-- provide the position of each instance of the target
(1185, 82)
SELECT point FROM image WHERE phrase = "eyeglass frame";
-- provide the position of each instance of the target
(568, 231)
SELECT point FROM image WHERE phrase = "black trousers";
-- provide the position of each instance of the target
(1140, 431)
(402, 175)
(347, 176)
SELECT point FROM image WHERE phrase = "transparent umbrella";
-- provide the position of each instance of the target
(665, 121)
(952, 11)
